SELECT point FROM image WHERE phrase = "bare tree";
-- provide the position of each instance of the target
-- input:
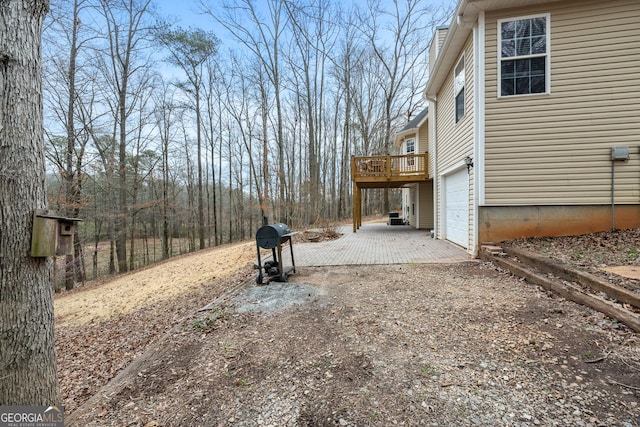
(263, 38)
(27, 353)
(190, 49)
(405, 25)
(239, 107)
(143, 159)
(165, 118)
(344, 62)
(127, 31)
(65, 87)
(314, 36)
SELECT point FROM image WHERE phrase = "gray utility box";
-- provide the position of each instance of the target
(52, 234)
(620, 153)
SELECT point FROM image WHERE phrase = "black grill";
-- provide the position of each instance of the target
(273, 236)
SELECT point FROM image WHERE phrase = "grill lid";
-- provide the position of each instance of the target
(271, 235)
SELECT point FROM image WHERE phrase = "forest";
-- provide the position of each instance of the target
(166, 138)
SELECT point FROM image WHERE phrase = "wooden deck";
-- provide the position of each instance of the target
(384, 172)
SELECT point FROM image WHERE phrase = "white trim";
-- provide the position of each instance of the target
(479, 162)
(473, 209)
(417, 187)
(443, 197)
(434, 138)
(457, 88)
(406, 145)
(454, 168)
(445, 177)
(547, 56)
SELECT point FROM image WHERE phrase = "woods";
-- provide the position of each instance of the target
(167, 138)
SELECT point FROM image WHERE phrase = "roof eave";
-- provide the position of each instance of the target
(465, 17)
(400, 135)
(459, 30)
(424, 119)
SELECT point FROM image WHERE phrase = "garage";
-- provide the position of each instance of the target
(456, 207)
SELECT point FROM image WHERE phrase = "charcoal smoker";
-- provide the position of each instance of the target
(273, 236)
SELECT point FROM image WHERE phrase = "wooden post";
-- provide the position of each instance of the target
(388, 166)
(426, 165)
(359, 207)
(355, 209)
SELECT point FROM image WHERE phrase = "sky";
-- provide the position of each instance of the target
(185, 13)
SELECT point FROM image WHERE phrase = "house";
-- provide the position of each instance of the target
(417, 197)
(534, 119)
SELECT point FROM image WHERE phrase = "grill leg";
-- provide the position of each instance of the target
(283, 276)
(293, 263)
(259, 276)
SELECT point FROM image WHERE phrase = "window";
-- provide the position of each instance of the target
(458, 89)
(524, 56)
(410, 148)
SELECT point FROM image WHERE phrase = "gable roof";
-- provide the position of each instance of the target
(464, 19)
(413, 124)
(416, 121)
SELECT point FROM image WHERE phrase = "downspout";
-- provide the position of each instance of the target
(478, 125)
(433, 131)
(613, 195)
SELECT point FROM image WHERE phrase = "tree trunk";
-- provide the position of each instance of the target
(230, 187)
(213, 186)
(201, 231)
(264, 114)
(69, 177)
(165, 205)
(121, 230)
(27, 353)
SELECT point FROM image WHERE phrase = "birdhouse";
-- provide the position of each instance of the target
(52, 234)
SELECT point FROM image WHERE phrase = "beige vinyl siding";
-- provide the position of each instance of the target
(425, 201)
(433, 51)
(454, 140)
(431, 139)
(436, 45)
(555, 149)
(412, 206)
(442, 35)
(422, 145)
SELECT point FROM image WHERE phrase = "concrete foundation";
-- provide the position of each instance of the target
(499, 223)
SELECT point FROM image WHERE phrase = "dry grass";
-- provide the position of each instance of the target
(151, 285)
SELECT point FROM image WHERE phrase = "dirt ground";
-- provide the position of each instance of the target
(444, 344)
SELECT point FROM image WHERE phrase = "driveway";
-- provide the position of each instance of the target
(378, 243)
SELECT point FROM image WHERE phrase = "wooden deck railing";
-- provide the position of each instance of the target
(385, 168)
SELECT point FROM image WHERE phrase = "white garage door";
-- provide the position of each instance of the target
(456, 207)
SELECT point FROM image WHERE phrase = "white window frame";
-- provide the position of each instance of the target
(547, 55)
(406, 145)
(459, 83)
(410, 161)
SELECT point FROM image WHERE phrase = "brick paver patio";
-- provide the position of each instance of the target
(377, 243)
